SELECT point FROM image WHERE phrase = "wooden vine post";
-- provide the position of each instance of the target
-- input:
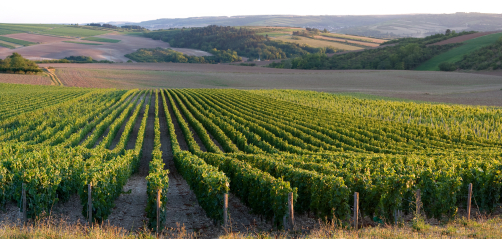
(356, 209)
(225, 210)
(469, 196)
(418, 202)
(25, 213)
(89, 203)
(158, 209)
(291, 211)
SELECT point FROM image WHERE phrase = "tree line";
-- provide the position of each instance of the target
(168, 55)
(15, 63)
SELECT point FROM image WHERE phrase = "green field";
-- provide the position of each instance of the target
(16, 41)
(49, 29)
(83, 43)
(456, 54)
(7, 45)
(98, 39)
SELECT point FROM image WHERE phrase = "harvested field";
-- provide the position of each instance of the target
(449, 87)
(25, 79)
(317, 43)
(36, 38)
(56, 48)
(463, 38)
(369, 44)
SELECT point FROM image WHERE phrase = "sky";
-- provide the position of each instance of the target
(64, 11)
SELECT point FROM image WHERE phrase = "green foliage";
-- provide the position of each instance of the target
(75, 59)
(468, 47)
(429, 39)
(168, 55)
(489, 57)
(243, 41)
(15, 63)
(447, 66)
(405, 56)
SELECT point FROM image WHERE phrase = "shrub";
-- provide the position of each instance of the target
(447, 66)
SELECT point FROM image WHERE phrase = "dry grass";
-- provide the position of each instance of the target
(318, 43)
(460, 228)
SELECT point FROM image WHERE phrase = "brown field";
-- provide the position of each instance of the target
(349, 41)
(55, 48)
(25, 79)
(448, 87)
(463, 38)
(36, 38)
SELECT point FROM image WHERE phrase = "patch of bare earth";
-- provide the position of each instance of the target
(25, 79)
(463, 38)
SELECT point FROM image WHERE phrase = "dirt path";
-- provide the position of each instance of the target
(148, 142)
(134, 135)
(165, 139)
(129, 211)
(51, 73)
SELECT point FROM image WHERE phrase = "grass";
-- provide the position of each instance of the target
(73, 32)
(16, 41)
(83, 43)
(318, 43)
(460, 228)
(456, 54)
(98, 39)
(7, 45)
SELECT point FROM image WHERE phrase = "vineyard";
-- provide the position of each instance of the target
(257, 145)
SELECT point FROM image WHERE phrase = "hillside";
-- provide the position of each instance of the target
(456, 54)
(382, 26)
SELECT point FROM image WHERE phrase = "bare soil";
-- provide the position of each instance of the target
(40, 39)
(463, 38)
(129, 211)
(148, 142)
(131, 144)
(25, 79)
(56, 48)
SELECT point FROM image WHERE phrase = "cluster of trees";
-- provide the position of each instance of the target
(489, 57)
(168, 55)
(399, 57)
(102, 25)
(133, 27)
(15, 63)
(429, 39)
(241, 40)
(75, 59)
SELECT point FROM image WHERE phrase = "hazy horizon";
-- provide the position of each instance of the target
(60, 12)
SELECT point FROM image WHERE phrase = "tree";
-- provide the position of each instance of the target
(448, 32)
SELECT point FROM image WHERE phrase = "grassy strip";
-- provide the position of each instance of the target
(83, 43)
(16, 41)
(7, 45)
(456, 54)
(99, 39)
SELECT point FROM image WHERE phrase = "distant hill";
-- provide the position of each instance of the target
(381, 26)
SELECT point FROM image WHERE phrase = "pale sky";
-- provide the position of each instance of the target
(59, 11)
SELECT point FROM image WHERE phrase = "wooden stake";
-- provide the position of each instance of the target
(291, 212)
(469, 202)
(225, 210)
(418, 201)
(25, 213)
(356, 209)
(89, 203)
(158, 209)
